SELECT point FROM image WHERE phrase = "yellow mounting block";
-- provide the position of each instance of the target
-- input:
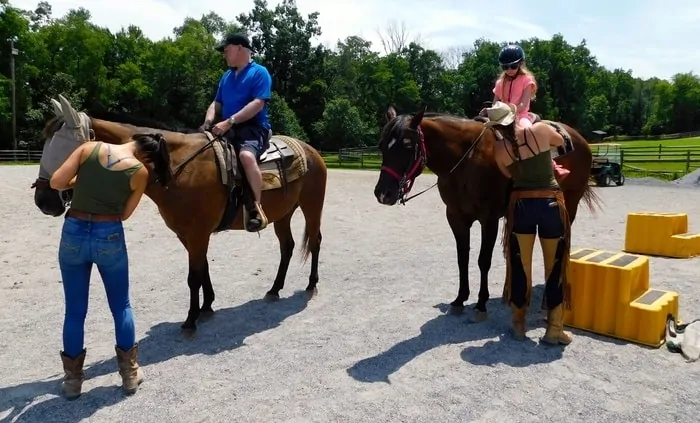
(661, 234)
(610, 295)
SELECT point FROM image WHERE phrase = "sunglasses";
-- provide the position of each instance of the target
(511, 66)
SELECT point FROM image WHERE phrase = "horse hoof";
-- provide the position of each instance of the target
(188, 324)
(310, 293)
(455, 310)
(206, 315)
(270, 298)
(188, 333)
(478, 316)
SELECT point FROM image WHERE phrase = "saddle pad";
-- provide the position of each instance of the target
(284, 161)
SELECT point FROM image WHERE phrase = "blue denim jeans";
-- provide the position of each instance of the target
(102, 243)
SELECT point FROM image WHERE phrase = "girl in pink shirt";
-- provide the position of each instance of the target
(517, 86)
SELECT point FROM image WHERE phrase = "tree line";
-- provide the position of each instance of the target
(331, 96)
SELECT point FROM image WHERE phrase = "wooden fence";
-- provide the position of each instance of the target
(657, 160)
(354, 158)
(20, 156)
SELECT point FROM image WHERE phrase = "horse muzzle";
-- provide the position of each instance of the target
(48, 200)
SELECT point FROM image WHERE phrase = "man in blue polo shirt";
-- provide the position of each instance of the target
(241, 100)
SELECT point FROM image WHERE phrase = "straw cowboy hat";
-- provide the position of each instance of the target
(500, 114)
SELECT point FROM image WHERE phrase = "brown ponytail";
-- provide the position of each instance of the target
(154, 147)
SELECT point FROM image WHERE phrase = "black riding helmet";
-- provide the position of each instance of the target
(510, 55)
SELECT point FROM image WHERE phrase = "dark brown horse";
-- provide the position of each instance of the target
(192, 198)
(460, 152)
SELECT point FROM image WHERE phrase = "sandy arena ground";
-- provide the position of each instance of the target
(373, 346)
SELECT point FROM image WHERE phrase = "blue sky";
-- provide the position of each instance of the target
(645, 36)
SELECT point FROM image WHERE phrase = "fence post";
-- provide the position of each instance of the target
(659, 152)
(687, 162)
(622, 159)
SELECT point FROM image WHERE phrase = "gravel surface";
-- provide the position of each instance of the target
(692, 179)
(373, 346)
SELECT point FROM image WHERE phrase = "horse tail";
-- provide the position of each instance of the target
(591, 198)
(311, 201)
(305, 250)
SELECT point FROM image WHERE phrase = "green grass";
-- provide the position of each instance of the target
(695, 141)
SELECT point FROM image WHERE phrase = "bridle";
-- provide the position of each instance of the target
(66, 195)
(416, 168)
(420, 157)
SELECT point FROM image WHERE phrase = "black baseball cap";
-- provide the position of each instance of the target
(236, 40)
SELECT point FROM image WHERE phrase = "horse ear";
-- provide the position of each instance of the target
(57, 110)
(418, 118)
(69, 113)
(390, 114)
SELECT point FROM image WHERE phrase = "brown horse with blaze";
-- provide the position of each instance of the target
(460, 152)
(195, 182)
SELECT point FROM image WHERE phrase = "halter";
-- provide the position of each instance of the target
(421, 157)
(65, 197)
(416, 168)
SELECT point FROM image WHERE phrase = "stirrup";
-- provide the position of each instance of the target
(256, 224)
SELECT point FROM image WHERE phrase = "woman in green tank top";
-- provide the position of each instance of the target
(108, 182)
(536, 206)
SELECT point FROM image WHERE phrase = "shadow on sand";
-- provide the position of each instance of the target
(228, 330)
(446, 329)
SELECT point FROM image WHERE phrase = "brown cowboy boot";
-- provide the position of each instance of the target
(518, 323)
(129, 369)
(73, 377)
(555, 334)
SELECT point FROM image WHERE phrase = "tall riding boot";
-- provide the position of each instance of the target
(518, 325)
(552, 250)
(555, 334)
(129, 369)
(520, 281)
(73, 377)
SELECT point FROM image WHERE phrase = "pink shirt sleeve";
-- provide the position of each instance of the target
(527, 80)
(497, 90)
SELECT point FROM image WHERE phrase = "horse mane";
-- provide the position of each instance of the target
(447, 116)
(128, 119)
(402, 121)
